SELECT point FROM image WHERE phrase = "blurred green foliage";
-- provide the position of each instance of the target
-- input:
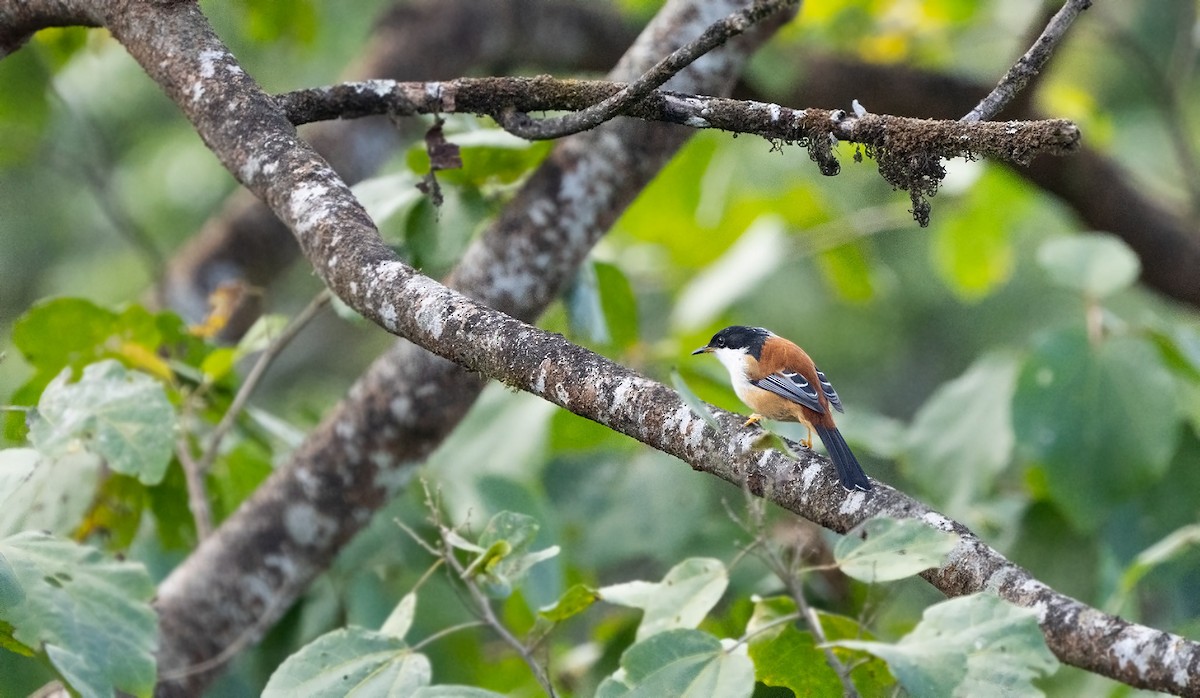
(991, 365)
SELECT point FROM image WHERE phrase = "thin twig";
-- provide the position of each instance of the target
(789, 574)
(267, 356)
(483, 605)
(520, 124)
(1029, 64)
(196, 491)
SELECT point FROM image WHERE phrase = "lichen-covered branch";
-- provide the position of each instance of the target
(909, 151)
(1014, 141)
(520, 124)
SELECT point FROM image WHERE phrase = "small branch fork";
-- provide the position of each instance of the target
(520, 124)
(1029, 64)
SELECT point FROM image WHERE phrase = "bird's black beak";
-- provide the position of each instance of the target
(702, 350)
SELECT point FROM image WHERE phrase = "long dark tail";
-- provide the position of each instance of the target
(849, 471)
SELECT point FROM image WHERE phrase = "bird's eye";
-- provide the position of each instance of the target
(721, 342)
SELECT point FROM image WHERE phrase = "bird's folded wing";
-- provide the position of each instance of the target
(794, 387)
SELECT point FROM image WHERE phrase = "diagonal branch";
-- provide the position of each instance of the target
(517, 121)
(1030, 64)
(263, 557)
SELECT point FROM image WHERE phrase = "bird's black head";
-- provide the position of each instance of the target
(737, 337)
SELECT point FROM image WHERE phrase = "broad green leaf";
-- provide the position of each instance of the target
(785, 653)
(753, 257)
(17, 465)
(683, 663)
(1098, 264)
(974, 646)
(1100, 420)
(972, 249)
(120, 415)
(667, 213)
(401, 618)
(455, 692)
(11, 592)
(236, 475)
(351, 662)
(115, 512)
(73, 332)
(693, 401)
(847, 270)
(45, 494)
(489, 155)
(90, 614)
(574, 601)
(269, 23)
(882, 549)
(619, 305)
(962, 437)
(585, 308)
(681, 600)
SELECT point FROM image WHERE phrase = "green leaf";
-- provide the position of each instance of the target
(489, 155)
(25, 107)
(73, 332)
(848, 272)
(260, 335)
(505, 560)
(619, 305)
(1101, 421)
(786, 654)
(389, 195)
(11, 592)
(977, 646)
(683, 663)
(686, 594)
(45, 494)
(400, 620)
(962, 437)
(693, 401)
(455, 692)
(972, 249)
(1176, 543)
(1097, 264)
(350, 662)
(883, 549)
(91, 615)
(585, 309)
(574, 601)
(120, 415)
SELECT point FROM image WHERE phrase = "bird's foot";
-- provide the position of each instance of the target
(754, 419)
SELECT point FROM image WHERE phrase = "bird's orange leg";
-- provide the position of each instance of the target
(807, 441)
(754, 419)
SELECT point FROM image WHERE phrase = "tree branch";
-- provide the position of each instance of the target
(264, 556)
(517, 121)
(1029, 64)
(1012, 141)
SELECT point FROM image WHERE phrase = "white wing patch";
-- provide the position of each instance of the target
(830, 393)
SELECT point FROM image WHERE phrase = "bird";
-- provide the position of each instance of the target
(778, 380)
